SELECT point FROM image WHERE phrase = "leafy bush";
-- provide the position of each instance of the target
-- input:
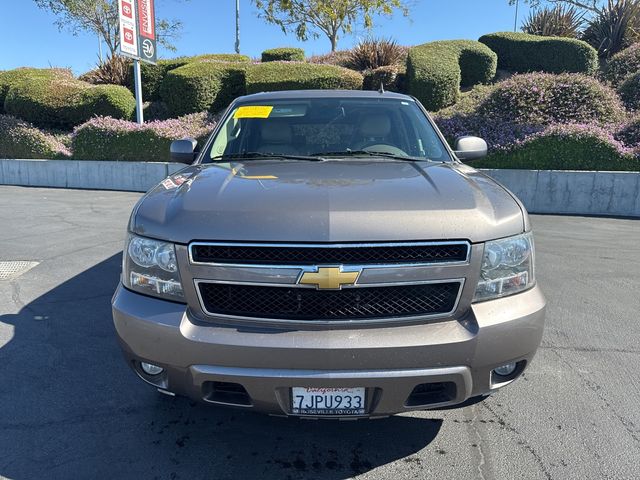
(566, 147)
(435, 71)
(614, 27)
(19, 139)
(630, 92)
(200, 86)
(110, 139)
(543, 98)
(559, 21)
(64, 103)
(390, 77)
(289, 54)
(11, 77)
(622, 64)
(265, 77)
(115, 71)
(521, 52)
(374, 53)
(153, 75)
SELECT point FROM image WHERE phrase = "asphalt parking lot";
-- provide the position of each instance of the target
(70, 408)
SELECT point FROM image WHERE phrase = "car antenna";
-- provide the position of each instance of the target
(381, 90)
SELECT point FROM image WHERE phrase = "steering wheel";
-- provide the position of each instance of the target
(381, 147)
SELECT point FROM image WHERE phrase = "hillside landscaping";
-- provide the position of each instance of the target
(540, 102)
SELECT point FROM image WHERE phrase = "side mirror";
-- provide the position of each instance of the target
(183, 151)
(470, 148)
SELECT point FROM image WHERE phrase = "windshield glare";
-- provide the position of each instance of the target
(329, 127)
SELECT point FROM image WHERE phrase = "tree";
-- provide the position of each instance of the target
(329, 17)
(101, 17)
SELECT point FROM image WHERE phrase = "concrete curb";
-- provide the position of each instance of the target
(541, 191)
(89, 174)
(574, 192)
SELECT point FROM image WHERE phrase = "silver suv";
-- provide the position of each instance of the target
(326, 254)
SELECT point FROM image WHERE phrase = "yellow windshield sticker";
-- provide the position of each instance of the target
(253, 111)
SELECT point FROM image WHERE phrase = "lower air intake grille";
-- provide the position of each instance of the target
(338, 305)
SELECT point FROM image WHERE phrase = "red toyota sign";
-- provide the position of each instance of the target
(127, 10)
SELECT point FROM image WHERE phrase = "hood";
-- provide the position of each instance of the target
(342, 200)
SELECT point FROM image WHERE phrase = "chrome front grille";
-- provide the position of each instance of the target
(349, 282)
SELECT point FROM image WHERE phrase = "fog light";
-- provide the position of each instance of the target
(151, 369)
(506, 370)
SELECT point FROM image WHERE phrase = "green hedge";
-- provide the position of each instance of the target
(109, 139)
(565, 148)
(522, 52)
(271, 76)
(437, 70)
(630, 92)
(64, 103)
(202, 86)
(19, 139)
(391, 77)
(622, 65)
(11, 77)
(288, 54)
(152, 75)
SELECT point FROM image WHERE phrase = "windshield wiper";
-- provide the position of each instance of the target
(370, 153)
(263, 155)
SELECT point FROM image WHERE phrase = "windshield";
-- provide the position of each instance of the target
(326, 127)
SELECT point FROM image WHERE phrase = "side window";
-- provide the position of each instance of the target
(226, 137)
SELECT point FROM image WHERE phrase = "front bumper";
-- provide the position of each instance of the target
(389, 362)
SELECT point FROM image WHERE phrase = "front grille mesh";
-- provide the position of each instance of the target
(313, 255)
(337, 305)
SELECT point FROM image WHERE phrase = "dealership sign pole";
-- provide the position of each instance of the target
(138, 39)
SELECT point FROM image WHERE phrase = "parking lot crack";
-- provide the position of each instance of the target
(521, 440)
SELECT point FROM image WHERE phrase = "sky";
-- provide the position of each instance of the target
(29, 37)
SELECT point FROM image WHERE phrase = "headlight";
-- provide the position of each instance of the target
(507, 267)
(150, 267)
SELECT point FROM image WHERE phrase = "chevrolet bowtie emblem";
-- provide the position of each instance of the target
(329, 278)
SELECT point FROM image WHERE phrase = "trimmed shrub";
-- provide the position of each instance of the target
(19, 139)
(622, 64)
(288, 54)
(64, 103)
(11, 77)
(566, 147)
(390, 77)
(522, 52)
(339, 58)
(153, 75)
(437, 70)
(630, 92)
(110, 139)
(201, 86)
(543, 98)
(629, 132)
(266, 77)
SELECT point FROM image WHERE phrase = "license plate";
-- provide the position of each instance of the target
(327, 401)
